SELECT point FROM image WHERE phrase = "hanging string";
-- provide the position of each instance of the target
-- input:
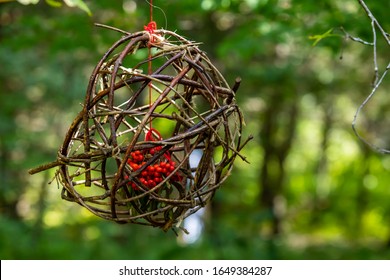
(151, 10)
(150, 27)
(161, 10)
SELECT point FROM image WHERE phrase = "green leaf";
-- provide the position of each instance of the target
(54, 3)
(319, 37)
(27, 2)
(80, 4)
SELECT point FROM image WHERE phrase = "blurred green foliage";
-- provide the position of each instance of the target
(312, 190)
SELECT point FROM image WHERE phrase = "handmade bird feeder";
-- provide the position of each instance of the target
(158, 133)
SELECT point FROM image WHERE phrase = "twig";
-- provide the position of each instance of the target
(377, 81)
(374, 21)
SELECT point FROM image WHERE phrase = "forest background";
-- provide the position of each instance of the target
(312, 189)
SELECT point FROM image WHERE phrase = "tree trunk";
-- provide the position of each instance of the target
(275, 153)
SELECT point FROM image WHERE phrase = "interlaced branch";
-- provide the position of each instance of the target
(116, 165)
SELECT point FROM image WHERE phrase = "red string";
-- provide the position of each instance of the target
(152, 134)
(150, 137)
(151, 9)
(150, 27)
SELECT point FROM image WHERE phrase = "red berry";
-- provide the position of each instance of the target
(134, 186)
(150, 168)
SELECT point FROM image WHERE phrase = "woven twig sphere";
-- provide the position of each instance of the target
(151, 156)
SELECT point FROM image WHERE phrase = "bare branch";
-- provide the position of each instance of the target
(377, 79)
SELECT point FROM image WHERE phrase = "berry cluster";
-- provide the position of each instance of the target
(152, 174)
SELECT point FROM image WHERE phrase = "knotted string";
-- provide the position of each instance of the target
(151, 27)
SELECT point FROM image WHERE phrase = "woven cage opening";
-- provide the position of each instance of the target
(151, 156)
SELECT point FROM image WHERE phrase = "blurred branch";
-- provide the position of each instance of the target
(374, 21)
(377, 81)
(355, 39)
